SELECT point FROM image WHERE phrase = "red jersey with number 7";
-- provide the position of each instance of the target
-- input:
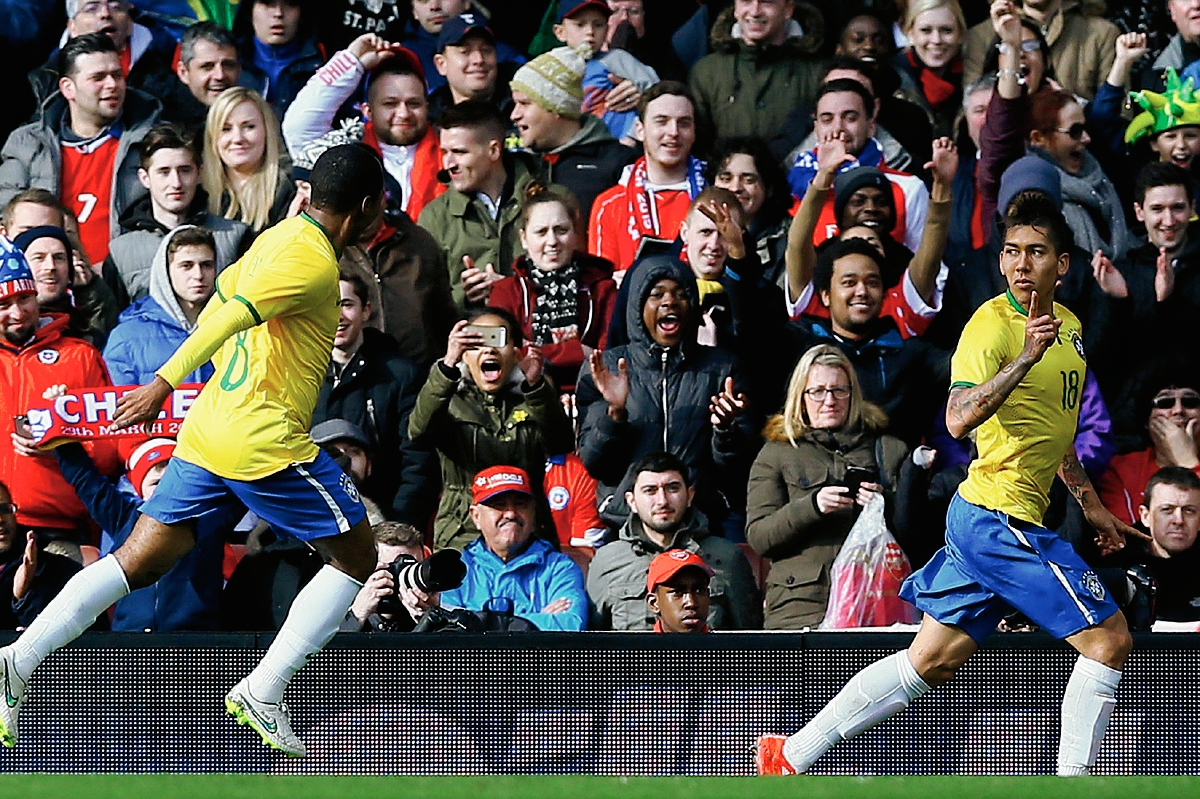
(87, 179)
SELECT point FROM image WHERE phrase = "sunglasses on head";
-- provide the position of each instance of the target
(1189, 401)
(1076, 131)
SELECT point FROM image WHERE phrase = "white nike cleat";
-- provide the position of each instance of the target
(273, 723)
(14, 694)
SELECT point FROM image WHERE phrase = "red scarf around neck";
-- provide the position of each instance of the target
(427, 162)
(937, 90)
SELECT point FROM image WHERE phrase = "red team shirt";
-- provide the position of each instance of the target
(87, 178)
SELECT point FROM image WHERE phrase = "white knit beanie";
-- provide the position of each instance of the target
(554, 80)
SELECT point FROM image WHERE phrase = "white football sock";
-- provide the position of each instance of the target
(875, 694)
(315, 615)
(85, 596)
(1087, 704)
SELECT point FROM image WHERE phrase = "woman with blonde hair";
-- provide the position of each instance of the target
(931, 67)
(825, 457)
(242, 166)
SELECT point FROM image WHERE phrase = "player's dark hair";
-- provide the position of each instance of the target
(1174, 476)
(205, 31)
(479, 116)
(661, 89)
(847, 85)
(361, 290)
(344, 176)
(166, 136)
(1036, 210)
(510, 321)
(80, 46)
(834, 250)
(1162, 173)
(191, 236)
(658, 463)
(42, 197)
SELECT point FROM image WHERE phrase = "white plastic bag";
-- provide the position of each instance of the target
(866, 576)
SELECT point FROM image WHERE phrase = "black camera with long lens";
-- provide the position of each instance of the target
(441, 571)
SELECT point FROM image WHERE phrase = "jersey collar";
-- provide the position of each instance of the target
(304, 215)
(1013, 302)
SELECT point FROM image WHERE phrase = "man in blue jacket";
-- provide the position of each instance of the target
(508, 563)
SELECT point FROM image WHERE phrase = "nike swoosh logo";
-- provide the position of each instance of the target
(8, 696)
(269, 726)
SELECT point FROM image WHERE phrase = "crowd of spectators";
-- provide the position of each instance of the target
(664, 293)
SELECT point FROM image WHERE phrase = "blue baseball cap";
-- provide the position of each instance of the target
(569, 8)
(15, 275)
(460, 27)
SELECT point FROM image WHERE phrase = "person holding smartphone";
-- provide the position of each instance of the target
(486, 402)
(819, 468)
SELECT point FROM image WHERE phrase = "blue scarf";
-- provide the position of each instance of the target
(806, 166)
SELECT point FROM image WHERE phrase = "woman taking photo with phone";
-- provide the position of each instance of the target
(487, 403)
(800, 505)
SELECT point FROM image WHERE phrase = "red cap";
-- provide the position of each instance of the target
(667, 564)
(156, 450)
(496, 480)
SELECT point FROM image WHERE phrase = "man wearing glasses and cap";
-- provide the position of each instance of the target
(1174, 427)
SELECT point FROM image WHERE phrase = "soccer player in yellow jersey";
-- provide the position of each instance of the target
(1017, 375)
(269, 331)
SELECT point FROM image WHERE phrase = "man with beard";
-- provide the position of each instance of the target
(622, 580)
(864, 206)
(35, 355)
(82, 146)
(905, 376)
(846, 108)
(396, 116)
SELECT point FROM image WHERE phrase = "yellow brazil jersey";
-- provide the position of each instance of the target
(1023, 444)
(253, 417)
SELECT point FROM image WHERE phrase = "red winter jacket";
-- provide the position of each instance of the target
(597, 296)
(42, 496)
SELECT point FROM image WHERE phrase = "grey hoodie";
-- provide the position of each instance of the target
(160, 281)
(616, 582)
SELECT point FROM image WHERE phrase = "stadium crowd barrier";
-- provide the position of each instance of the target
(585, 703)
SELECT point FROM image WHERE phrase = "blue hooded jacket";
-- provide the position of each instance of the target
(150, 330)
(532, 580)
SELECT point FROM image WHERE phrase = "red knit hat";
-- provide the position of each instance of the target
(156, 450)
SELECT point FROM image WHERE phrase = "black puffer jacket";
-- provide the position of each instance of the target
(669, 391)
(376, 391)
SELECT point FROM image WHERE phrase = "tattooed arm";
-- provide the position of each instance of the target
(969, 407)
(1110, 531)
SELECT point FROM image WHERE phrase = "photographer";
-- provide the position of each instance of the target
(379, 606)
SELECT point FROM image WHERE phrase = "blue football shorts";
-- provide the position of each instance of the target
(993, 564)
(306, 500)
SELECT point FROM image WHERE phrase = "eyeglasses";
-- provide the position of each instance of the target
(1076, 131)
(818, 394)
(1027, 45)
(112, 5)
(1189, 401)
(7, 508)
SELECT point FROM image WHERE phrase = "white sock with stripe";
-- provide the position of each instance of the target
(315, 615)
(875, 694)
(1087, 705)
(85, 596)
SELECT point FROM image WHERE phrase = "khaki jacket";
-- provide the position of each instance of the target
(782, 521)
